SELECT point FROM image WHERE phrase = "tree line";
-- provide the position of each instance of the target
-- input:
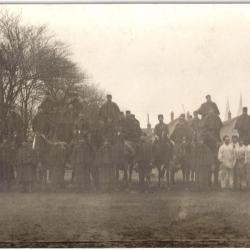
(35, 64)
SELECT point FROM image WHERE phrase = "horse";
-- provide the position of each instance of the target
(162, 154)
(182, 155)
(52, 158)
(213, 142)
(119, 159)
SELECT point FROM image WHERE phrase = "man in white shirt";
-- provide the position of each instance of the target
(226, 157)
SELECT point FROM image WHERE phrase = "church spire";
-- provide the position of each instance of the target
(148, 122)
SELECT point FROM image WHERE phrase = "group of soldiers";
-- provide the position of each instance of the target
(96, 153)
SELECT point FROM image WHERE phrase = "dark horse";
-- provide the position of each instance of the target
(213, 142)
(52, 158)
(162, 154)
(182, 155)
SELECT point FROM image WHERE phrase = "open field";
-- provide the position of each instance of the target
(164, 218)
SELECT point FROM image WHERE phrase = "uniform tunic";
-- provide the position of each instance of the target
(109, 110)
(205, 107)
(160, 129)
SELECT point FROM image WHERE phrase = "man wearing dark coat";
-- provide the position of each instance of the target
(161, 128)
(181, 130)
(109, 114)
(206, 106)
(242, 125)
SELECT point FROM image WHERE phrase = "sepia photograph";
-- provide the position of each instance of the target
(124, 125)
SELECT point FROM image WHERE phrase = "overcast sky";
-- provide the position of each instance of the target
(156, 58)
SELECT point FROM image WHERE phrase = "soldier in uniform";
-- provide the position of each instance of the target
(181, 130)
(109, 114)
(137, 132)
(26, 166)
(206, 106)
(242, 125)
(161, 129)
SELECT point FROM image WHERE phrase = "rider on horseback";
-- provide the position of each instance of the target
(161, 128)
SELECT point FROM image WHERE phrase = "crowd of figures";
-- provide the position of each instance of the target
(115, 153)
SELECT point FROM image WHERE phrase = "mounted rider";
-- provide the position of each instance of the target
(109, 114)
(131, 128)
(208, 105)
(161, 129)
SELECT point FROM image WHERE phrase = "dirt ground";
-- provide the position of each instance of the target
(162, 218)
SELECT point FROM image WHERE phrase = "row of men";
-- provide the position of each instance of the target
(234, 157)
